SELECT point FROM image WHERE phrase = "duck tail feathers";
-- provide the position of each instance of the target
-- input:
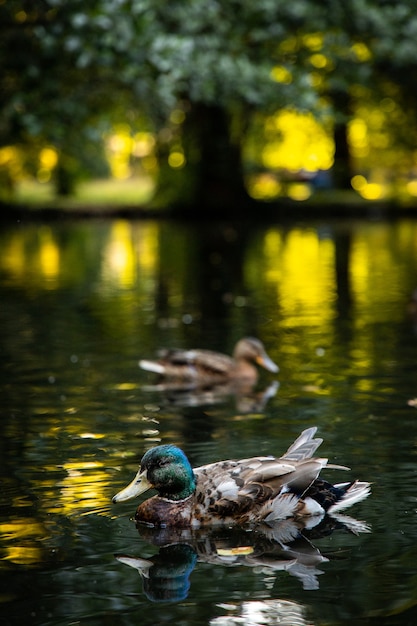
(152, 366)
(281, 507)
(304, 446)
(356, 492)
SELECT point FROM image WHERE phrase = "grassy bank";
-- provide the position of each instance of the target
(97, 193)
(133, 197)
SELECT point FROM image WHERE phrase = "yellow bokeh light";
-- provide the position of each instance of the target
(313, 41)
(289, 45)
(281, 75)
(21, 16)
(143, 144)
(177, 116)
(150, 164)
(358, 138)
(121, 170)
(7, 154)
(120, 146)
(316, 80)
(369, 191)
(361, 51)
(358, 132)
(43, 175)
(48, 158)
(372, 191)
(299, 191)
(358, 182)
(12, 162)
(302, 143)
(176, 159)
(264, 186)
(320, 61)
(412, 187)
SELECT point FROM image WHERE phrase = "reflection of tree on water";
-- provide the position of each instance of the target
(213, 277)
(285, 546)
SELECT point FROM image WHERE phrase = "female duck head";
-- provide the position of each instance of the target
(164, 468)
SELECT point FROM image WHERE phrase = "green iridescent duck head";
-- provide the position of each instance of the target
(164, 468)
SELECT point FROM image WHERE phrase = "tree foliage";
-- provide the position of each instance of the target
(69, 67)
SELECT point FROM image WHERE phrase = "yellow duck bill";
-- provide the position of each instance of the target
(139, 485)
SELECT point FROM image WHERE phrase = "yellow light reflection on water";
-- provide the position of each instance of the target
(48, 255)
(40, 259)
(16, 529)
(83, 489)
(19, 541)
(119, 264)
(35, 257)
(24, 555)
(372, 259)
(13, 257)
(147, 247)
(308, 267)
(301, 268)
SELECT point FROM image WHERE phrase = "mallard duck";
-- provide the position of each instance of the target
(207, 366)
(249, 491)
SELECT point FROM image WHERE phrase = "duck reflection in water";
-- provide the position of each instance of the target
(203, 377)
(285, 546)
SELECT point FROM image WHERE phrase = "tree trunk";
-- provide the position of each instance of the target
(342, 171)
(342, 167)
(212, 178)
(65, 176)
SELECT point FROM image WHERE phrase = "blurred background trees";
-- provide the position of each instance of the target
(216, 102)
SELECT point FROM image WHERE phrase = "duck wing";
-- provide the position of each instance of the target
(304, 446)
(208, 360)
(248, 487)
(174, 362)
(241, 489)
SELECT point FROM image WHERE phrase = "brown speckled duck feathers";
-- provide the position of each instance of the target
(208, 366)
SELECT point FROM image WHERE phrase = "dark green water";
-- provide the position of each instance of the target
(82, 302)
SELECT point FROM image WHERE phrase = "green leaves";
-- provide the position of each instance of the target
(77, 65)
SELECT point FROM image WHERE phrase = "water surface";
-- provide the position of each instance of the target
(82, 302)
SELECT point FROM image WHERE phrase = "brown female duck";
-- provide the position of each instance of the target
(212, 367)
(248, 491)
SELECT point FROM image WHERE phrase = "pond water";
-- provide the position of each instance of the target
(83, 301)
